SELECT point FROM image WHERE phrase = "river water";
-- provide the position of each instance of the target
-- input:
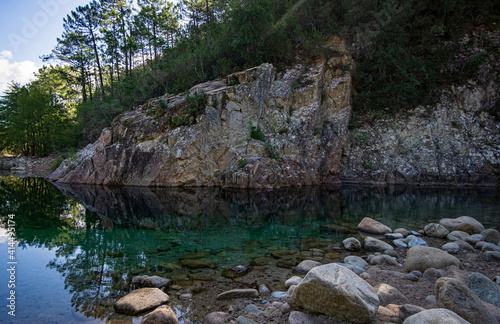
(77, 247)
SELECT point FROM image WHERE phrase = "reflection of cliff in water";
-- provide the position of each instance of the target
(190, 208)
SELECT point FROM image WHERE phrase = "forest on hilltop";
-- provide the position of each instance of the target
(117, 54)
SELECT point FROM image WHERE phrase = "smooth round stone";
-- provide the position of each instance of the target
(491, 236)
(252, 309)
(295, 280)
(474, 238)
(411, 277)
(403, 231)
(457, 235)
(491, 256)
(186, 296)
(436, 230)
(356, 261)
(278, 294)
(451, 248)
(263, 289)
(351, 244)
(416, 241)
(417, 273)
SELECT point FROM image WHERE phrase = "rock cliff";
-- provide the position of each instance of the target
(263, 128)
(259, 128)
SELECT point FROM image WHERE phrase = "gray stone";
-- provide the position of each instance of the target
(464, 246)
(263, 289)
(457, 297)
(402, 231)
(400, 243)
(252, 309)
(238, 293)
(245, 320)
(286, 308)
(295, 280)
(491, 235)
(155, 281)
(372, 226)
(387, 294)
(306, 265)
(424, 257)
(278, 294)
(416, 241)
(336, 291)
(435, 316)
(412, 277)
(216, 318)
(484, 288)
(393, 236)
(457, 235)
(301, 318)
(436, 230)
(463, 223)
(353, 268)
(490, 247)
(356, 261)
(474, 238)
(140, 300)
(162, 315)
(375, 245)
(351, 244)
(432, 275)
(384, 259)
(451, 248)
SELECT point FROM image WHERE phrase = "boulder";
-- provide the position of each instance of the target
(474, 238)
(215, 318)
(432, 275)
(375, 245)
(387, 294)
(384, 259)
(238, 293)
(412, 240)
(457, 297)
(423, 257)
(372, 226)
(491, 235)
(162, 315)
(484, 288)
(198, 264)
(463, 223)
(403, 231)
(351, 244)
(140, 300)
(435, 316)
(400, 243)
(436, 230)
(306, 265)
(336, 291)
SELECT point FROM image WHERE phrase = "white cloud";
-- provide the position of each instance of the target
(21, 72)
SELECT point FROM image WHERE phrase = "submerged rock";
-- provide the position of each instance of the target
(141, 300)
(372, 226)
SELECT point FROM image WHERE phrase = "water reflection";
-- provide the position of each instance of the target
(104, 236)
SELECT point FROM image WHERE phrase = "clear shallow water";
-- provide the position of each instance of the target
(79, 246)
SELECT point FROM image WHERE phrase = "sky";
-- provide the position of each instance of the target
(28, 30)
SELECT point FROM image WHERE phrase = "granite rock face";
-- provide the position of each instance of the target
(298, 117)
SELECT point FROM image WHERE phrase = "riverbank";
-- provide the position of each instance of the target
(266, 279)
(24, 166)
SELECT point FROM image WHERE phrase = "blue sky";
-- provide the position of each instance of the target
(29, 29)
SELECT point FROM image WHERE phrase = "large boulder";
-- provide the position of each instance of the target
(141, 300)
(484, 288)
(336, 291)
(457, 297)
(435, 316)
(370, 225)
(463, 223)
(423, 257)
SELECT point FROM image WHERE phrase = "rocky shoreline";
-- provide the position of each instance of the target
(446, 271)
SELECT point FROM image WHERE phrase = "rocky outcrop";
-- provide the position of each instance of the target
(260, 128)
(454, 141)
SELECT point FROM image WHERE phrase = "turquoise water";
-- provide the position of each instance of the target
(77, 247)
